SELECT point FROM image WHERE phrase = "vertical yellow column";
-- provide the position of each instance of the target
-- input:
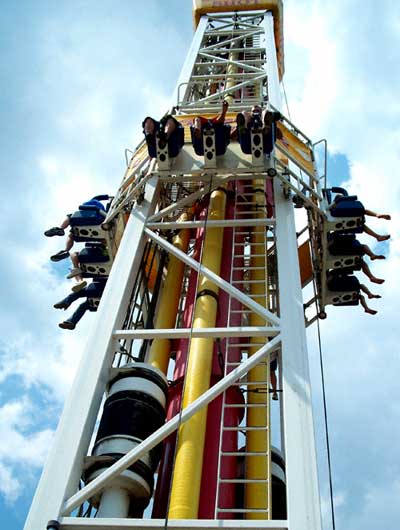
(231, 69)
(186, 481)
(169, 302)
(258, 494)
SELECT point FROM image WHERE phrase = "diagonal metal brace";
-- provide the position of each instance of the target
(224, 285)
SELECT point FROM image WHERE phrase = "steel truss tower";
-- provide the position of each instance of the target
(204, 288)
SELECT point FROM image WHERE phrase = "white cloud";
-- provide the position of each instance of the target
(380, 507)
(10, 487)
(20, 450)
(17, 445)
(339, 500)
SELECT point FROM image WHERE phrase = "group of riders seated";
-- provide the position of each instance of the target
(345, 254)
(90, 262)
(169, 132)
(345, 217)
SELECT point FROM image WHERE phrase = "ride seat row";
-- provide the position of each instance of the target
(346, 213)
(343, 252)
(94, 258)
(212, 142)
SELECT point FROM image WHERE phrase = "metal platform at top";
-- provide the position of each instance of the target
(231, 163)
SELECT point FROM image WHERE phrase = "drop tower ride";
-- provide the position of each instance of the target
(170, 423)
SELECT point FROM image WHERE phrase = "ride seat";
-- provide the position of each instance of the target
(86, 223)
(344, 251)
(354, 225)
(255, 142)
(203, 145)
(347, 207)
(165, 150)
(94, 261)
(345, 214)
(342, 290)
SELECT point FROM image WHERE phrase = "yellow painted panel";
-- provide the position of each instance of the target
(297, 149)
(151, 268)
(187, 120)
(306, 268)
(202, 7)
(137, 159)
(280, 156)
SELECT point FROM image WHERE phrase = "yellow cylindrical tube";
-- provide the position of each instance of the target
(231, 69)
(186, 481)
(258, 494)
(169, 301)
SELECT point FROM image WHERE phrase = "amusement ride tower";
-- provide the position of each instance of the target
(170, 423)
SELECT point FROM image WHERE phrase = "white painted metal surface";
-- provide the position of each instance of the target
(215, 224)
(274, 94)
(303, 503)
(70, 523)
(301, 471)
(187, 68)
(180, 333)
(114, 503)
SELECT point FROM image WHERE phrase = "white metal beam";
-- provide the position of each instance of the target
(226, 91)
(73, 523)
(286, 153)
(243, 65)
(174, 333)
(300, 193)
(190, 60)
(274, 95)
(300, 458)
(189, 199)
(267, 221)
(243, 35)
(129, 197)
(205, 175)
(303, 504)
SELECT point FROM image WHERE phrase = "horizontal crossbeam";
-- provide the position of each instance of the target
(239, 36)
(174, 333)
(74, 523)
(240, 64)
(227, 90)
(212, 224)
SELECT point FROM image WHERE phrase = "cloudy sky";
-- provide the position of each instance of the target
(77, 78)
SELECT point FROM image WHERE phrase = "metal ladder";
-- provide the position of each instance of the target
(241, 277)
